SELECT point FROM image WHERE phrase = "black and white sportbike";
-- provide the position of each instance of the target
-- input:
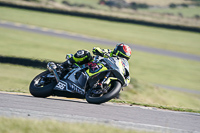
(97, 82)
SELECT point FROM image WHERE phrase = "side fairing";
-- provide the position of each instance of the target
(74, 82)
(67, 85)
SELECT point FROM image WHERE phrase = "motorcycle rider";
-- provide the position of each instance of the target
(83, 56)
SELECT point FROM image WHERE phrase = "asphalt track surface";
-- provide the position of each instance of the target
(64, 34)
(74, 110)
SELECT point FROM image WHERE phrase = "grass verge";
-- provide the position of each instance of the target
(15, 78)
(174, 40)
(22, 125)
(157, 106)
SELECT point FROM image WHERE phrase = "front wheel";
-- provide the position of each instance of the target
(42, 86)
(113, 91)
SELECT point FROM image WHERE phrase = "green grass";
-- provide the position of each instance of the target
(150, 96)
(154, 69)
(131, 103)
(22, 125)
(166, 70)
(16, 78)
(174, 40)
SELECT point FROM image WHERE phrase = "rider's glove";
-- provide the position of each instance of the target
(68, 56)
(66, 64)
(97, 51)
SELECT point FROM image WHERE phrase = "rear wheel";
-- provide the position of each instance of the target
(97, 98)
(42, 86)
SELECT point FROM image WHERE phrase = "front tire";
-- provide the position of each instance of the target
(114, 91)
(41, 91)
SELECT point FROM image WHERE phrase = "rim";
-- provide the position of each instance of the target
(43, 81)
(98, 92)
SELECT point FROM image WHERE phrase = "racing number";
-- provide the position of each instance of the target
(60, 86)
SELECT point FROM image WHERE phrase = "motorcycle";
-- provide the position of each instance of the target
(97, 82)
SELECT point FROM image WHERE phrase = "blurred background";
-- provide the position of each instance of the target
(156, 79)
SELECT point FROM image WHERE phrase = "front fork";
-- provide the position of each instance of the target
(106, 77)
(105, 82)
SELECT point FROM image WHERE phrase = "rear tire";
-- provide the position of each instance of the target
(44, 91)
(115, 89)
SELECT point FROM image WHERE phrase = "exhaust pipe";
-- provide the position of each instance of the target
(51, 66)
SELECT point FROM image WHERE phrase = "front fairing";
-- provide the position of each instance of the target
(111, 64)
(115, 65)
